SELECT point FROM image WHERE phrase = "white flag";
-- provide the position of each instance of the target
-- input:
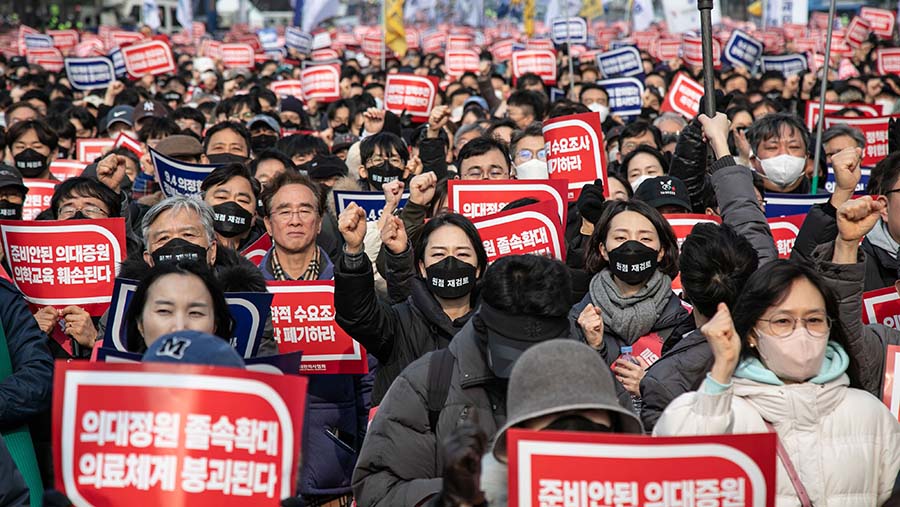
(184, 13)
(558, 9)
(470, 12)
(316, 11)
(150, 14)
(642, 14)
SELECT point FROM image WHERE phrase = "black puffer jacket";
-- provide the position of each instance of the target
(395, 335)
(689, 165)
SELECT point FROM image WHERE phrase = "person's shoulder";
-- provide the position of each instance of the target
(8, 289)
(236, 273)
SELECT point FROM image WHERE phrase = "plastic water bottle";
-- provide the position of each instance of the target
(627, 356)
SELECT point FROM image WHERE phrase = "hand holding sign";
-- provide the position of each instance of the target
(46, 318)
(111, 171)
(716, 132)
(78, 325)
(422, 187)
(352, 224)
(725, 344)
(591, 322)
(393, 235)
(856, 217)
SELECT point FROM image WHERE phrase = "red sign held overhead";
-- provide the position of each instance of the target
(882, 306)
(683, 97)
(51, 59)
(552, 468)
(88, 150)
(460, 61)
(538, 61)
(64, 40)
(858, 31)
(460, 41)
(60, 262)
(303, 318)
(433, 42)
(411, 94)
(175, 434)
(812, 110)
(533, 229)
(575, 151)
(325, 54)
(237, 56)
(373, 44)
(321, 82)
(502, 50)
(667, 49)
(887, 60)
(151, 57)
(122, 38)
(692, 51)
(683, 223)
(478, 198)
(40, 192)
(288, 87)
(64, 169)
(882, 21)
(784, 232)
(875, 131)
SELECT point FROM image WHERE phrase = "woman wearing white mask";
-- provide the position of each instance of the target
(780, 365)
(779, 151)
(643, 163)
(529, 155)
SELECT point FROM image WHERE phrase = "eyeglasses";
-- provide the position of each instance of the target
(377, 160)
(527, 155)
(782, 325)
(494, 173)
(67, 212)
(285, 215)
(246, 115)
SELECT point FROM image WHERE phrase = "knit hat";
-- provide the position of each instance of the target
(557, 376)
(324, 167)
(193, 347)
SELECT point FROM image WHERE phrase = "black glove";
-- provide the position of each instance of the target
(590, 202)
(462, 450)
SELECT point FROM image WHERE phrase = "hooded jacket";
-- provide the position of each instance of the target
(843, 442)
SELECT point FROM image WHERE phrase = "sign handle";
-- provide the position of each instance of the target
(709, 87)
(821, 120)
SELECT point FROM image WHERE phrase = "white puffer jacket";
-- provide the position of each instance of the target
(843, 442)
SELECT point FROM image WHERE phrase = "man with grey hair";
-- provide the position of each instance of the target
(779, 144)
(670, 123)
(839, 137)
(465, 134)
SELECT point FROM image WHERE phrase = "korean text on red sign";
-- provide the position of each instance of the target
(533, 229)
(476, 198)
(559, 469)
(165, 434)
(875, 130)
(411, 94)
(303, 318)
(575, 151)
(62, 262)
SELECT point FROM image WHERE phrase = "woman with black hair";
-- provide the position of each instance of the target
(448, 260)
(781, 364)
(632, 257)
(176, 297)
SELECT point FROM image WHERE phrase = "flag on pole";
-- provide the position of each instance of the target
(561, 9)
(315, 12)
(642, 14)
(591, 9)
(394, 33)
(184, 13)
(150, 14)
(528, 18)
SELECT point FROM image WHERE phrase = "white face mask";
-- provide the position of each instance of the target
(379, 103)
(600, 108)
(534, 169)
(498, 94)
(456, 114)
(613, 152)
(637, 183)
(783, 169)
(886, 104)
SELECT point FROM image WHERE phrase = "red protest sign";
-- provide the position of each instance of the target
(255, 252)
(875, 131)
(793, 31)
(64, 40)
(881, 21)
(459, 41)
(65, 169)
(477, 198)
(667, 49)
(575, 151)
(323, 55)
(88, 150)
(411, 94)
(683, 97)
(373, 44)
(237, 56)
(882, 306)
(460, 61)
(857, 31)
(49, 58)
(646, 41)
(683, 223)
(121, 38)
(533, 229)
(433, 42)
(303, 318)
(891, 395)
(38, 198)
(412, 39)
(812, 110)
(887, 60)
(61, 262)
(175, 434)
(321, 82)
(552, 468)
(502, 50)
(130, 143)
(538, 61)
(692, 51)
(784, 232)
(151, 57)
(288, 87)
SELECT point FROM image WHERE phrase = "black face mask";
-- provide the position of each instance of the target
(62, 153)
(450, 278)
(633, 262)
(341, 129)
(384, 173)
(648, 113)
(261, 143)
(10, 211)
(773, 95)
(289, 125)
(226, 158)
(575, 422)
(31, 163)
(231, 219)
(177, 250)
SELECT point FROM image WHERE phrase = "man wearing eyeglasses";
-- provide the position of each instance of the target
(484, 158)
(529, 155)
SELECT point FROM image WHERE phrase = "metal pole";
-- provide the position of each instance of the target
(821, 121)
(569, 49)
(383, 34)
(709, 87)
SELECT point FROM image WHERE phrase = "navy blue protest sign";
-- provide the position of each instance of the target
(556, 94)
(569, 30)
(618, 44)
(268, 38)
(860, 189)
(783, 205)
(179, 178)
(371, 202)
(620, 62)
(250, 311)
(786, 64)
(90, 73)
(625, 95)
(298, 40)
(118, 62)
(280, 364)
(742, 49)
(38, 41)
(109, 355)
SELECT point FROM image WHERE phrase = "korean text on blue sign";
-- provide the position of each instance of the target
(620, 62)
(90, 73)
(179, 178)
(372, 202)
(742, 50)
(38, 41)
(118, 62)
(625, 95)
(569, 30)
(786, 64)
(298, 40)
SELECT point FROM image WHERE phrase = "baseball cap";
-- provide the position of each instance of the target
(478, 100)
(122, 114)
(324, 167)
(148, 108)
(193, 347)
(180, 146)
(10, 177)
(664, 190)
(268, 120)
(343, 141)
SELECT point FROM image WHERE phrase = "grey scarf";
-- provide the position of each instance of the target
(630, 317)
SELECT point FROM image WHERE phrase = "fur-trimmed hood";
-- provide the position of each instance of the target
(234, 272)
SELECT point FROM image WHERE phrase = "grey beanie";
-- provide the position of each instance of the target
(559, 376)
